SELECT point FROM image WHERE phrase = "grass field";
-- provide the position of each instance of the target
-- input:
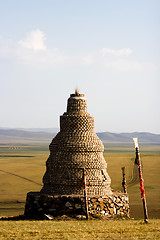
(88, 230)
(23, 166)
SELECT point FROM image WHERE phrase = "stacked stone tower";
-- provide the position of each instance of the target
(76, 146)
(75, 149)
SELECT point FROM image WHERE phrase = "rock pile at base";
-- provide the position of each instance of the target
(38, 206)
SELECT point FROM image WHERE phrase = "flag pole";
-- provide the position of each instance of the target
(85, 193)
(124, 180)
(143, 194)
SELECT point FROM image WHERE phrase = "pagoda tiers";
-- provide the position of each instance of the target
(75, 147)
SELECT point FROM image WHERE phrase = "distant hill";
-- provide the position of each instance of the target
(38, 134)
(128, 137)
(112, 137)
(12, 135)
(48, 130)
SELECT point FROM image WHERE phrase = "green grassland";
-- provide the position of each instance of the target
(22, 167)
(88, 230)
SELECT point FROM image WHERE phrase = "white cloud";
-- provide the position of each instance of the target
(124, 65)
(87, 60)
(34, 40)
(120, 52)
(41, 57)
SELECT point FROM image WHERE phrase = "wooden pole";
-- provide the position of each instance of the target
(124, 180)
(85, 193)
(143, 194)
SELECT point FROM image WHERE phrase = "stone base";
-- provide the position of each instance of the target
(39, 205)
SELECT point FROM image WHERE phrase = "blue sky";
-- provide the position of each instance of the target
(108, 49)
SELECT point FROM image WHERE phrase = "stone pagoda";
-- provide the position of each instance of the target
(75, 148)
